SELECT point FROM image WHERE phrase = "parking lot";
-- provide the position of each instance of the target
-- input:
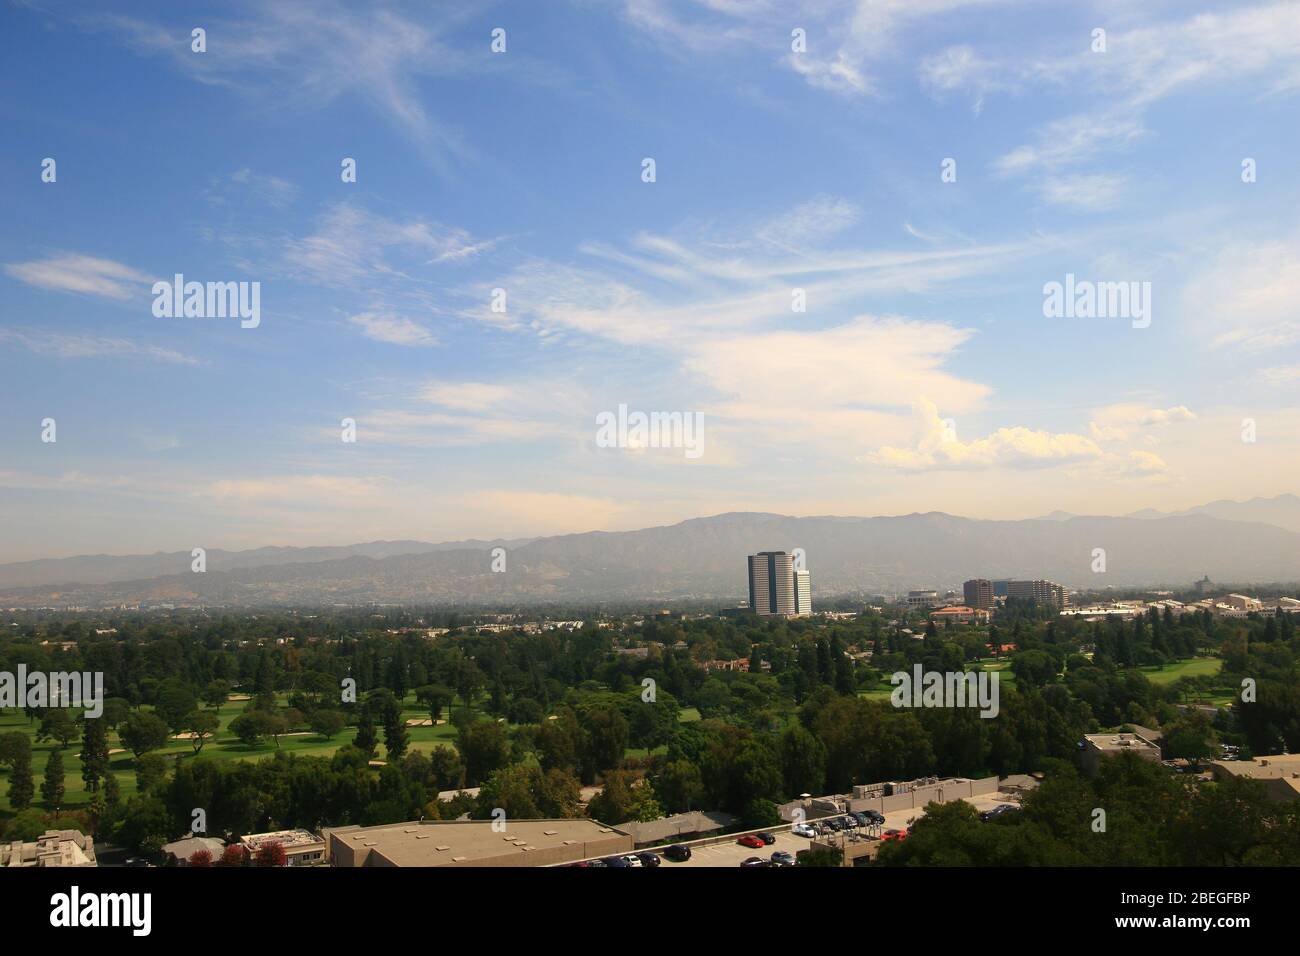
(733, 854)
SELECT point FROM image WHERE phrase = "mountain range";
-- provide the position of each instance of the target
(700, 559)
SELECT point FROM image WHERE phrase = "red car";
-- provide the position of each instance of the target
(751, 841)
(894, 835)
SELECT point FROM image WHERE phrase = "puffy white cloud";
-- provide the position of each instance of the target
(936, 446)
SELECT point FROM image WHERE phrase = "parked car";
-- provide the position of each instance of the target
(850, 822)
(677, 853)
(876, 817)
(803, 830)
(755, 861)
(631, 859)
(782, 858)
(862, 818)
(999, 810)
(596, 863)
(649, 859)
(615, 862)
(893, 835)
(767, 838)
(751, 841)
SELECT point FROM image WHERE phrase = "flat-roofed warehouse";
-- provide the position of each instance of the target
(1279, 773)
(475, 843)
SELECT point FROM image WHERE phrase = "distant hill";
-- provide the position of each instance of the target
(1282, 511)
(107, 568)
(700, 558)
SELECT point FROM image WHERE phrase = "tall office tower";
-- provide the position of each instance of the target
(1041, 592)
(802, 594)
(978, 593)
(771, 583)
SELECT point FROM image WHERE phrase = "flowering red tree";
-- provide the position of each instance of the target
(270, 854)
(201, 858)
(233, 855)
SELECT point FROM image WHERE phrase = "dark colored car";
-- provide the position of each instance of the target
(677, 853)
(649, 859)
(600, 864)
(862, 818)
(751, 841)
(767, 838)
(756, 861)
(875, 816)
(616, 862)
(782, 858)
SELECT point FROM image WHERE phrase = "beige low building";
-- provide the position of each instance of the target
(1279, 773)
(179, 852)
(52, 848)
(301, 847)
(1096, 746)
(475, 843)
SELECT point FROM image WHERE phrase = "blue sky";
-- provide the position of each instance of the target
(923, 374)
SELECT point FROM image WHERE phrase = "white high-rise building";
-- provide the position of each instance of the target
(802, 594)
(776, 588)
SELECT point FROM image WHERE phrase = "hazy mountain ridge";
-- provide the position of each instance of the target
(1282, 511)
(704, 558)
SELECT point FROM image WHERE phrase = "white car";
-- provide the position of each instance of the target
(803, 830)
(632, 860)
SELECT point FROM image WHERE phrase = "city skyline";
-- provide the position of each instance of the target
(924, 372)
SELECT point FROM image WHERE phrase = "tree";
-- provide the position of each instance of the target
(174, 702)
(143, 732)
(200, 858)
(396, 737)
(214, 694)
(233, 855)
(606, 740)
(366, 739)
(201, 724)
(803, 762)
(150, 771)
(822, 856)
(435, 697)
(57, 724)
(116, 710)
(14, 746)
(328, 723)
(94, 754)
(270, 854)
(21, 786)
(251, 726)
(484, 747)
(52, 785)
(679, 786)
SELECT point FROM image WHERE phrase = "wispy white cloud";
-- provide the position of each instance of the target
(394, 329)
(68, 346)
(86, 275)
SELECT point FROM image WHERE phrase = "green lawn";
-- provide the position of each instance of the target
(223, 746)
(1196, 667)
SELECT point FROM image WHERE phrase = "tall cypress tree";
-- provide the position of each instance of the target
(94, 754)
(365, 739)
(21, 786)
(52, 785)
